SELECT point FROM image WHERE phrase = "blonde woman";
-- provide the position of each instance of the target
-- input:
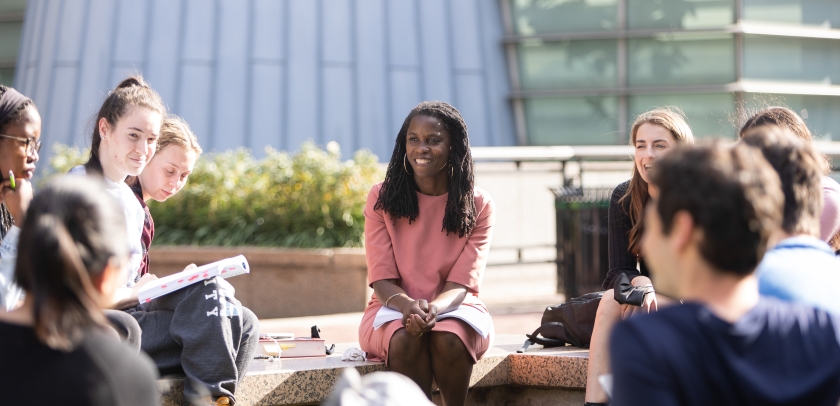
(181, 331)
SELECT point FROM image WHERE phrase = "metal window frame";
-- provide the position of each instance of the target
(738, 29)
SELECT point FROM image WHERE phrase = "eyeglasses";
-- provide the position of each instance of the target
(32, 146)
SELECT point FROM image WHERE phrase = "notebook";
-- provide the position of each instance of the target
(225, 268)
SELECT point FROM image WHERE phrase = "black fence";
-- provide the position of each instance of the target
(582, 235)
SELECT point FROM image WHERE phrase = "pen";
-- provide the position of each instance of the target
(12, 180)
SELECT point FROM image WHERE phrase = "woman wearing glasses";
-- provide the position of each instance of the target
(20, 132)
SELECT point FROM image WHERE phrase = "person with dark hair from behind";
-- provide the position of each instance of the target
(704, 236)
(798, 266)
(56, 348)
(783, 117)
(20, 133)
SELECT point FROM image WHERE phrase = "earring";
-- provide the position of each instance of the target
(405, 158)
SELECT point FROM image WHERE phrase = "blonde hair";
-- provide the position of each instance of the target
(673, 120)
(173, 131)
(176, 131)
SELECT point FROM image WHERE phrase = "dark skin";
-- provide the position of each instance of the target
(13, 157)
(416, 351)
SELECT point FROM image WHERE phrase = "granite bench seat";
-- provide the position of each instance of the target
(553, 376)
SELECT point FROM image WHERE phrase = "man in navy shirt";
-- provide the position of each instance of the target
(799, 267)
(704, 236)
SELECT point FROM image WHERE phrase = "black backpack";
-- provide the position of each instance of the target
(571, 322)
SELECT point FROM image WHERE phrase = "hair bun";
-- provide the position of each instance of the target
(132, 81)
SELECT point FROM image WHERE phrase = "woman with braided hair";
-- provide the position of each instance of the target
(427, 236)
(20, 133)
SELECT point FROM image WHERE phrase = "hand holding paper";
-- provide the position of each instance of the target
(225, 268)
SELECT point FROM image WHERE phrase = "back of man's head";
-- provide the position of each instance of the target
(732, 195)
(800, 169)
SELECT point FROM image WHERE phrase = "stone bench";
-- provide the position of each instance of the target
(552, 376)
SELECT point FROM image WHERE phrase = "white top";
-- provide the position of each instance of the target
(135, 217)
(10, 293)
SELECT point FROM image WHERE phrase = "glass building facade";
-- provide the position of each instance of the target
(11, 23)
(581, 70)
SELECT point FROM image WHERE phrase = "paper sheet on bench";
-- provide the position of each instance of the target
(225, 268)
(477, 319)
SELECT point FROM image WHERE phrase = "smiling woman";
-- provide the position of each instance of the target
(427, 236)
(124, 139)
(652, 135)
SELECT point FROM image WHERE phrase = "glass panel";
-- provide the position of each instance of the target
(681, 59)
(792, 59)
(12, 6)
(7, 77)
(9, 40)
(709, 115)
(825, 13)
(572, 121)
(686, 14)
(568, 64)
(819, 112)
(546, 16)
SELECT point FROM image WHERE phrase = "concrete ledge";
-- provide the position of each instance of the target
(554, 373)
(283, 282)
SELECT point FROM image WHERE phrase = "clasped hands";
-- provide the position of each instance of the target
(419, 316)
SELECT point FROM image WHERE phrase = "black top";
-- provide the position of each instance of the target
(621, 259)
(100, 371)
(779, 353)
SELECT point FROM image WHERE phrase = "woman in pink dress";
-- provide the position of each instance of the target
(427, 236)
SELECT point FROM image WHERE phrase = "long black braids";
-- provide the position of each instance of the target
(398, 195)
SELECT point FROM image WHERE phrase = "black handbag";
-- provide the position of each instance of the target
(571, 322)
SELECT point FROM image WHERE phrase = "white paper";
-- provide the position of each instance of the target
(606, 382)
(225, 268)
(477, 319)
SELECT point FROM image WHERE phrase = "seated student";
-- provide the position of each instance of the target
(798, 266)
(786, 118)
(652, 135)
(704, 236)
(164, 176)
(201, 330)
(56, 349)
(427, 236)
(20, 133)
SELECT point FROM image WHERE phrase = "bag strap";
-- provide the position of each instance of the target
(534, 338)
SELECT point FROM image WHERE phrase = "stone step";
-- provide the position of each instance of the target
(552, 375)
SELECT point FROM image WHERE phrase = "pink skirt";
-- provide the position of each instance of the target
(376, 342)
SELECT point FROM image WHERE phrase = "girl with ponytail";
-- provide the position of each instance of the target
(123, 141)
(72, 254)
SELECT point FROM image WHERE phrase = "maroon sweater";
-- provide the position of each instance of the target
(148, 229)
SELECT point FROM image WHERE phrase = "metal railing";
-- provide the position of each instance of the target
(563, 155)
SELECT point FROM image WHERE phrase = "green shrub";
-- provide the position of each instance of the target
(309, 200)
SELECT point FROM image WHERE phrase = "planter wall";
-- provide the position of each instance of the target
(283, 282)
